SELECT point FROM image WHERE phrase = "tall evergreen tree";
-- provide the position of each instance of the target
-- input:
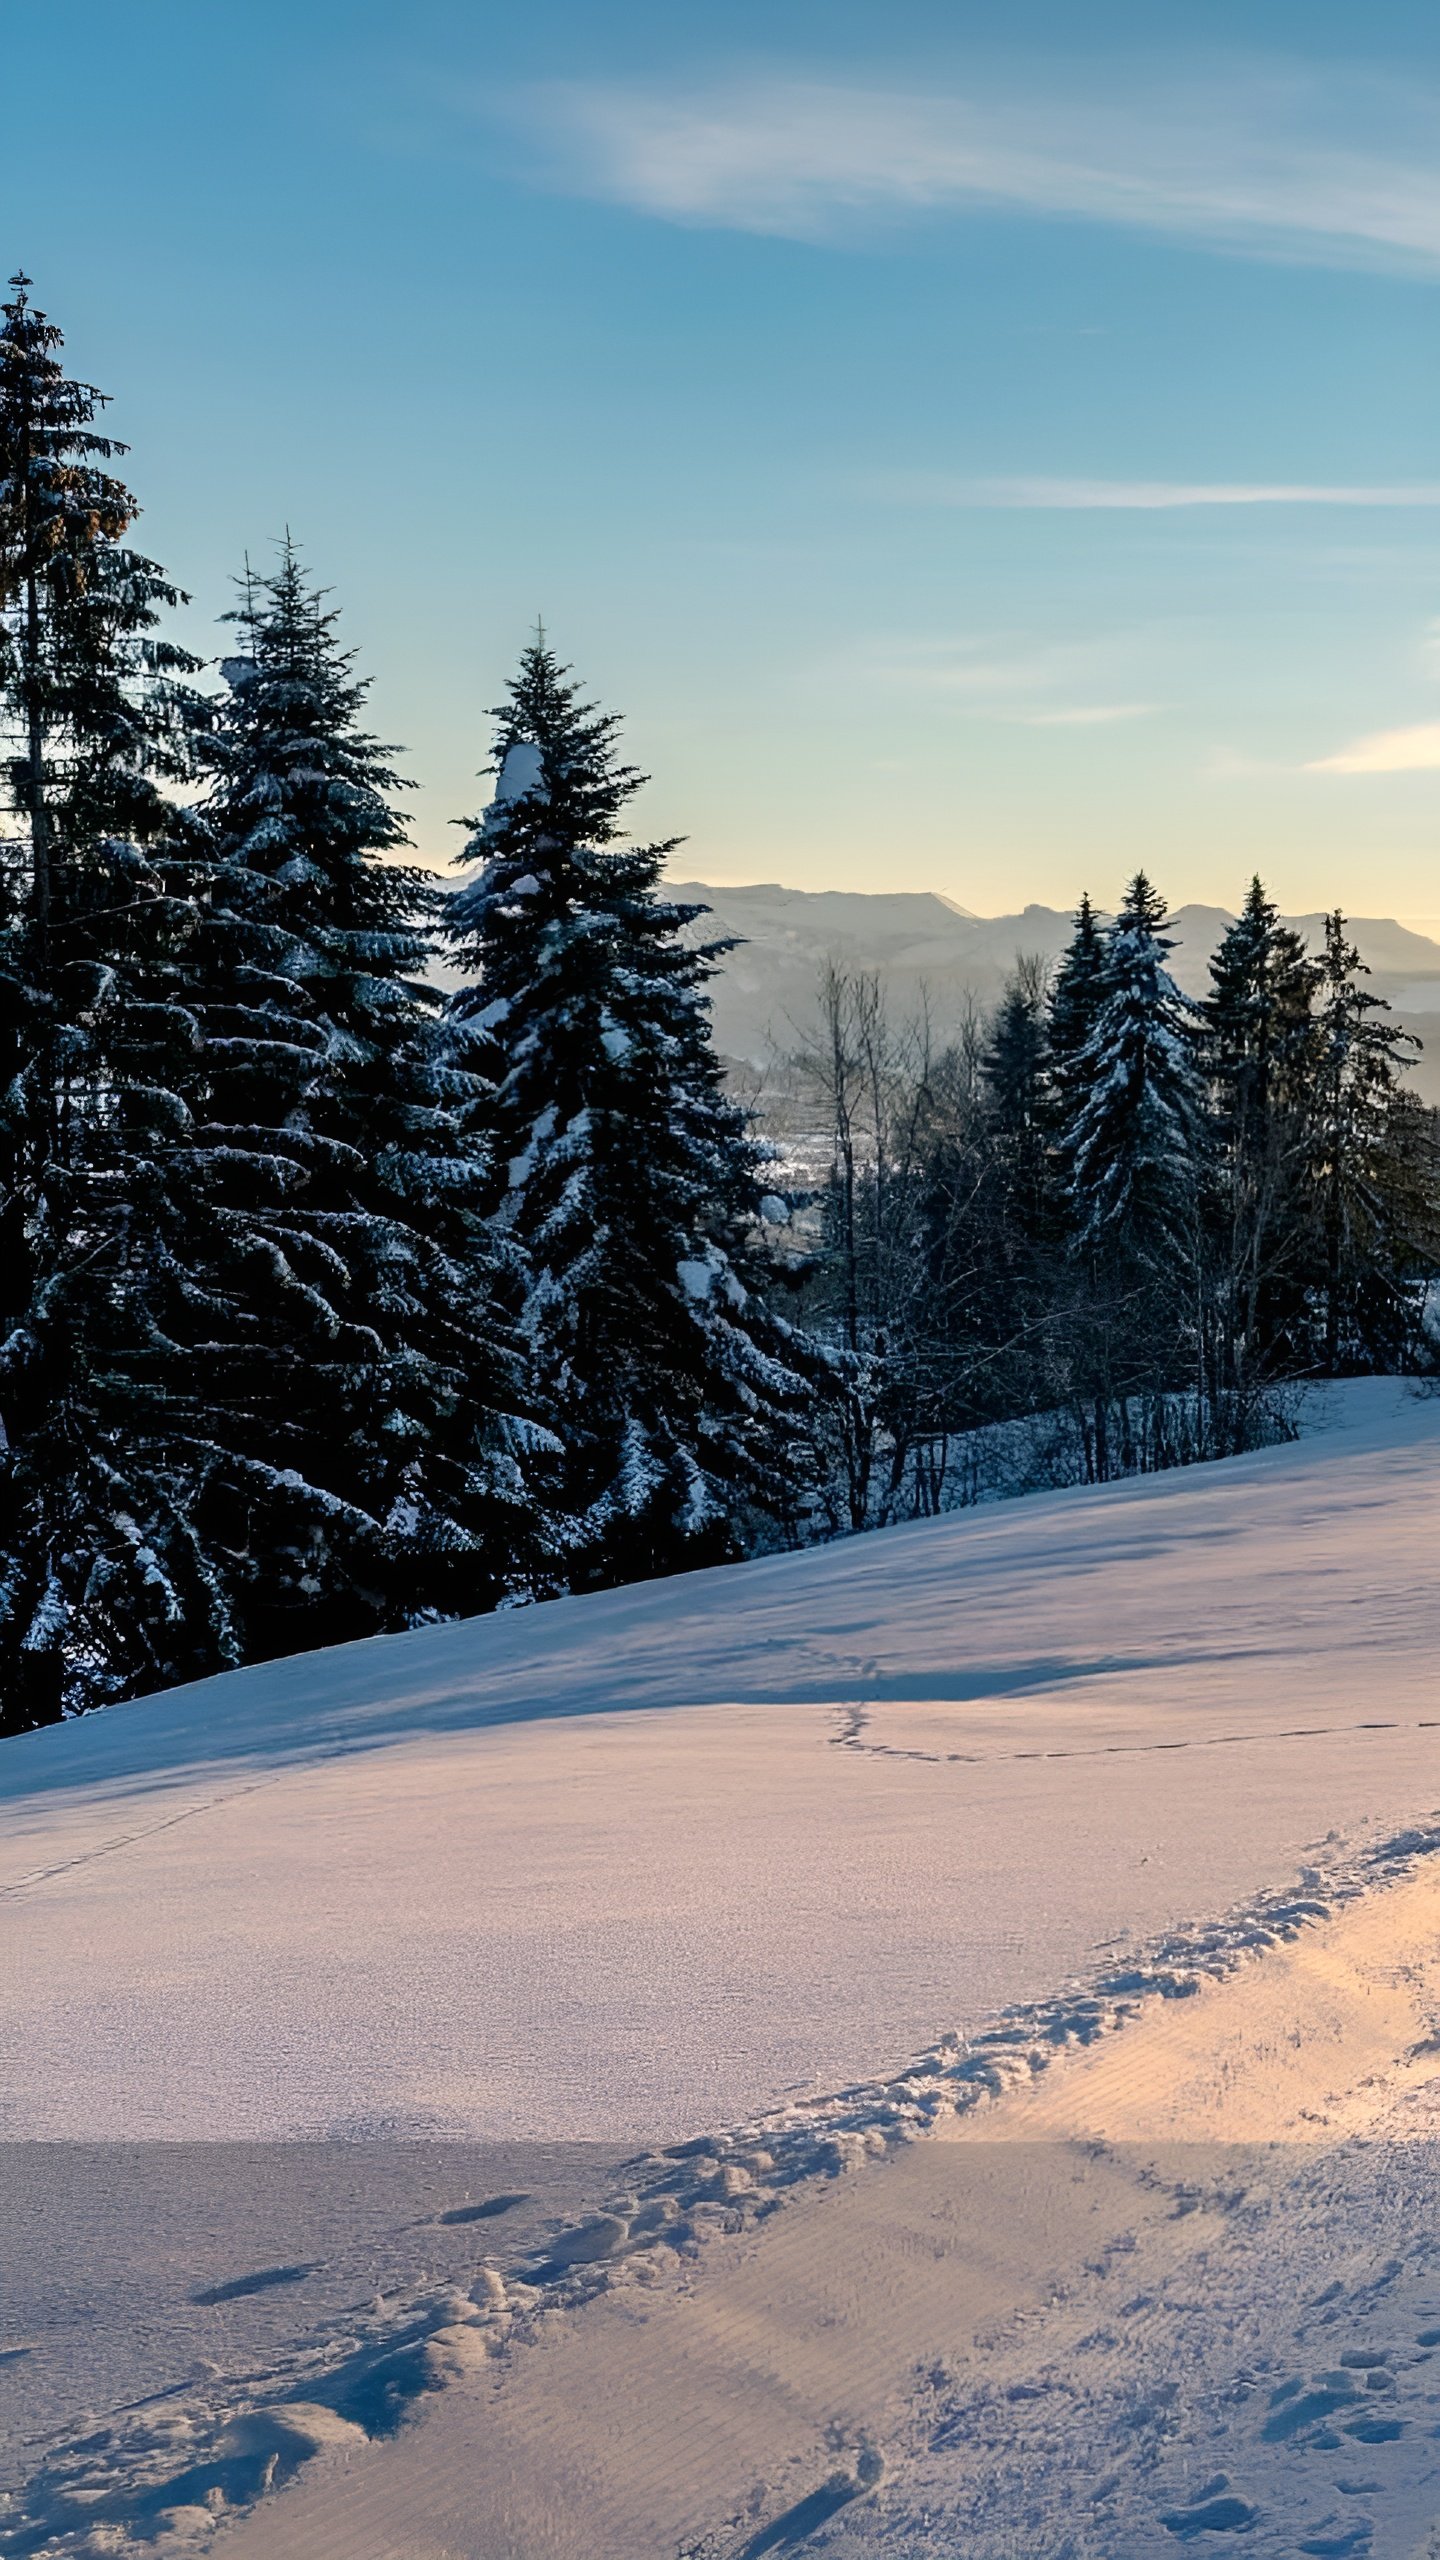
(628, 1179)
(365, 1404)
(1018, 1206)
(1017, 1055)
(1076, 993)
(1135, 1131)
(1375, 1168)
(1260, 1052)
(103, 1588)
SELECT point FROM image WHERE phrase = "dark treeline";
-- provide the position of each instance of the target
(327, 1306)
(1133, 1213)
(330, 1305)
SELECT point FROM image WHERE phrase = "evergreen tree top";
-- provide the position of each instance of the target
(558, 781)
(51, 438)
(1084, 954)
(1075, 989)
(61, 514)
(94, 695)
(1262, 980)
(303, 792)
(1141, 1004)
(551, 846)
(1354, 1023)
(1017, 1052)
(1142, 914)
(1254, 938)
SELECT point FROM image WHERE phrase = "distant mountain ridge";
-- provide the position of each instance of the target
(924, 947)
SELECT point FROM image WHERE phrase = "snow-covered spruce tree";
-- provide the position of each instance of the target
(365, 1401)
(103, 1586)
(1374, 1165)
(625, 1175)
(1132, 1143)
(1134, 1137)
(1261, 1056)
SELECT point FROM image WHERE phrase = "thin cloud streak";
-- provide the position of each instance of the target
(1087, 715)
(1256, 162)
(1414, 750)
(939, 489)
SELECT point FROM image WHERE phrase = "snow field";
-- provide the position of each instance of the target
(693, 1869)
(630, 1867)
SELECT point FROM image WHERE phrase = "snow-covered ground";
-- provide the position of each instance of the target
(626, 1867)
(1177, 2285)
(633, 1869)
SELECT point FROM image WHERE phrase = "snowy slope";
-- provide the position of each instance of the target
(637, 1864)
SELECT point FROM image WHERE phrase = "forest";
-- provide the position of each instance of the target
(334, 1302)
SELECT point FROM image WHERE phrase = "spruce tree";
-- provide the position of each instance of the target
(1017, 1056)
(1076, 993)
(1134, 1134)
(1374, 1164)
(1260, 1052)
(103, 1586)
(1017, 1204)
(627, 1179)
(365, 1401)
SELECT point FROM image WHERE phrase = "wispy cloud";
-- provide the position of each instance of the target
(1247, 157)
(941, 489)
(983, 678)
(1088, 715)
(1414, 750)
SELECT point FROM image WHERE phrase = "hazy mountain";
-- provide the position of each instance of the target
(925, 948)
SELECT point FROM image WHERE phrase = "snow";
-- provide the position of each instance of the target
(1042, 1904)
(628, 1866)
(519, 1168)
(521, 777)
(1011, 2302)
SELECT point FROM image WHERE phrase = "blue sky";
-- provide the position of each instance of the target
(972, 458)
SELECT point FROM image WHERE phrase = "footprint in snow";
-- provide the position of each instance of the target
(260, 2282)
(1375, 2430)
(484, 2212)
(1215, 2510)
(1296, 2404)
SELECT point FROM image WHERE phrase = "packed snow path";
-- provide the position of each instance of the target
(632, 1866)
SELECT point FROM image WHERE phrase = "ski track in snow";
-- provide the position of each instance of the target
(169, 2468)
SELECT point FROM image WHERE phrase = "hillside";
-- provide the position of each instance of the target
(417, 1955)
(667, 1798)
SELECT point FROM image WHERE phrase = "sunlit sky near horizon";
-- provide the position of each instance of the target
(971, 459)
